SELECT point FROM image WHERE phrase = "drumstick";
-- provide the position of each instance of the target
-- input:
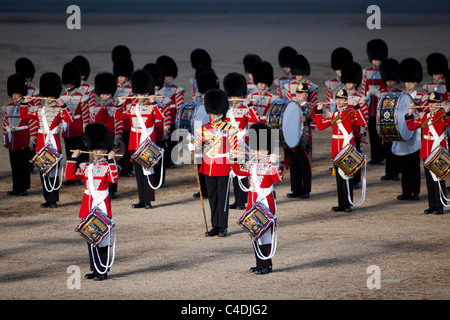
(143, 97)
(240, 99)
(99, 154)
(415, 107)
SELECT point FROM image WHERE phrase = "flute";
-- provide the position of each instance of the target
(99, 154)
(240, 99)
(417, 107)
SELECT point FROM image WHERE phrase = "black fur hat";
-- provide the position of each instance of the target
(235, 85)
(351, 73)
(98, 137)
(120, 51)
(284, 55)
(216, 102)
(377, 49)
(142, 82)
(123, 66)
(157, 73)
(249, 60)
(339, 56)
(50, 85)
(299, 65)
(71, 74)
(262, 73)
(437, 63)
(25, 67)
(105, 83)
(260, 138)
(207, 80)
(83, 64)
(200, 57)
(390, 70)
(17, 84)
(169, 66)
(410, 70)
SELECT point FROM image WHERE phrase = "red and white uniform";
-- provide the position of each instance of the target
(434, 126)
(370, 85)
(106, 113)
(242, 116)
(194, 90)
(78, 106)
(97, 177)
(291, 90)
(262, 102)
(163, 126)
(16, 127)
(343, 124)
(437, 87)
(176, 95)
(354, 98)
(251, 87)
(281, 85)
(87, 90)
(123, 90)
(333, 86)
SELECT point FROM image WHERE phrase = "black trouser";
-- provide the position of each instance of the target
(342, 191)
(410, 170)
(145, 192)
(300, 170)
(218, 200)
(392, 167)
(376, 151)
(201, 177)
(50, 182)
(434, 198)
(164, 163)
(240, 196)
(265, 250)
(19, 160)
(102, 254)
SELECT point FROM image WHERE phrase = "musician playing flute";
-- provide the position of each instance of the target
(97, 177)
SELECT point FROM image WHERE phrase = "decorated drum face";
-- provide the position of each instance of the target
(95, 227)
(257, 220)
(285, 116)
(438, 162)
(349, 160)
(46, 158)
(148, 154)
(191, 116)
(391, 111)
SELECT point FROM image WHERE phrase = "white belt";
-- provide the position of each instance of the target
(341, 136)
(16, 128)
(102, 194)
(136, 129)
(217, 155)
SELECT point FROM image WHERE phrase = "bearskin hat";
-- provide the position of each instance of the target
(25, 67)
(71, 74)
(17, 84)
(299, 65)
(142, 82)
(339, 56)
(169, 66)
(351, 73)
(120, 51)
(437, 63)
(207, 80)
(83, 64)
(98, 137)
(235, 85)
(389, 70)
(284, 55)
(260, 138)
(377, 49)
(262, 73)
(123, 66)
(157, 73)
(50, 85)
(216, 102)
(249, 60)
(410, 70)
(200, 57)
(105, 83)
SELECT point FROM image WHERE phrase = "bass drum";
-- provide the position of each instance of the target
(391, 111)
(285, 116)
(191, 116)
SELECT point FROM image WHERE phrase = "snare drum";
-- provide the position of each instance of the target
(46, 158)
(148, 154)
(285, 116)
(95, 227)
(391, 111)
(438, 162)
(257, 220)
(349, 160)
(191, 116)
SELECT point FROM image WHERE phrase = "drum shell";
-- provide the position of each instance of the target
(46, 158)
(349, 160)
(95, 227)
(390, 121)
(438, 162)
(257, 220)
(285, 116)
(148, 154)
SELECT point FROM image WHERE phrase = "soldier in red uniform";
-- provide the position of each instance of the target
(284, 55)
(200, 59)
(301, 69)
(343, 123)
(434, 126)
(339, 56)
(249, 61)
(215, 142)
(16, 135)
(437, 67)
(85, 88)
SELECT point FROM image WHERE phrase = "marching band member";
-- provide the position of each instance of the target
(299, 157)
(339, 56)
(408, 152)
(85, 88)
(215, 141)
(249, 60)
(142, 115)
(343, 123)
(390, 74)
(434, 126)
(301, 69)
(263, 172)
(284, 55)
(199, 58)
(263, 97)
(240, 114)
(106, 113)
(437, 67)
(97, 177)
(377, 52)
(50, 114)
(16, 135)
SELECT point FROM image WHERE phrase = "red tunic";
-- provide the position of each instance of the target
(107, 114)
(370, 86)
(80, 112)
(263, 102)
(16, 127)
